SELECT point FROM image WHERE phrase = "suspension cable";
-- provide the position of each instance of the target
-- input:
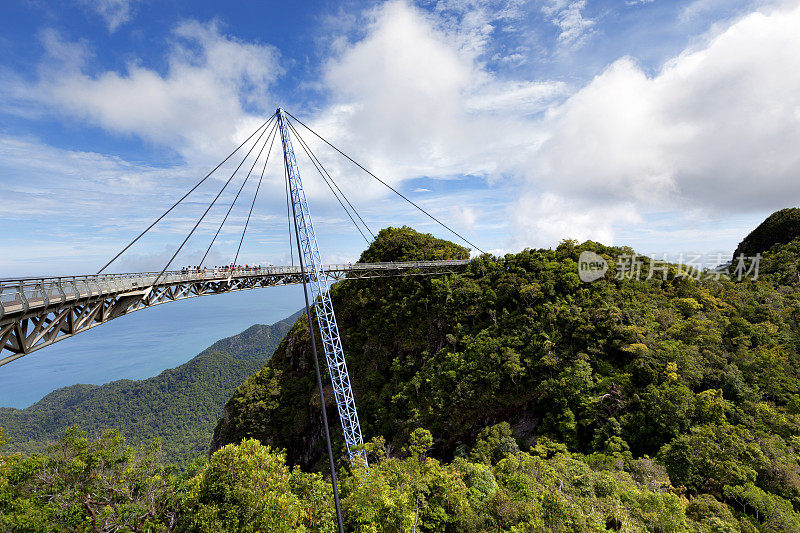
(184, 196)
(401, 195)
(318, 163)
(274, 134)
(237, 195)
(308, 153)
(208, 209)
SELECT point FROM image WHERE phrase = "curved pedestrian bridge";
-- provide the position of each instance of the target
(36, 312)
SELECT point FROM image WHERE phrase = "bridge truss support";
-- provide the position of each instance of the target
(37, 312)
(323, 306)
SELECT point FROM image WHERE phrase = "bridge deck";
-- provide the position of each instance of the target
(36, 312)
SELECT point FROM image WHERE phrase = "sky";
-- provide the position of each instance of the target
(663, 125)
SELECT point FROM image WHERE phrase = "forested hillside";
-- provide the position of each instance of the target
(700, 374)
(180, 405)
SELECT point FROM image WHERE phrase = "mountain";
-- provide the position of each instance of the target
(180, 405)
(777, 239)
(780, 227)
(699, 374)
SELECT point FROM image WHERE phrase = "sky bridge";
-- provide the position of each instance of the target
(37, 312)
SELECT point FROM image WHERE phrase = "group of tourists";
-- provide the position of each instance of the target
(197, 269)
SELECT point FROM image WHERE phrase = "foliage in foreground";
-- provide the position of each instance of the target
(632, 405)
(249, 488)
(101, 485)
(88, 485)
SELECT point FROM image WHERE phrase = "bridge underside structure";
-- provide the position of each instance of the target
(37, 312)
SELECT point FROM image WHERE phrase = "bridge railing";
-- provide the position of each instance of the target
(27, 293)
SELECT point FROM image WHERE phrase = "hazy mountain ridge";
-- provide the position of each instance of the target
(180, 405)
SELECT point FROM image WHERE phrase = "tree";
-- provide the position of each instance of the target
(91, 485)
(774, 513)
(405, 244)
(415, 493)
(779, 228)
(710, 457)
(494, 443)
(248, 488)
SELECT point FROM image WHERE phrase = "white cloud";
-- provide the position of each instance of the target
(68, 211)
(520, 97)
(62, 56)
(567, 15)
(413, 102)
(600, 144)
(115, 12)
(465, 216)
(546, 219)
(699, 8)
(48, 179)
(203, 101)
(717, 127)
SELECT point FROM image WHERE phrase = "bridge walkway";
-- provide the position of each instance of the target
(36, 312)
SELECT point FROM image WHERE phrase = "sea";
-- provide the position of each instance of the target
(144, 343)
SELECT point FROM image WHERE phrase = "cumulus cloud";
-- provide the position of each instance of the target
(43, 175)
(465, 216)
(546, 219)
(718, 127)
(207, 97)
(698, 8)
(101, 202)
(715, 129)
(419, 104)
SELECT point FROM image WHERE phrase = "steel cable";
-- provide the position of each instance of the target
(289, 218)
(208, 208)
(184, 196)
(401, 195)
(318, 163)
(308, 154)
(237, 195)
(274, 134)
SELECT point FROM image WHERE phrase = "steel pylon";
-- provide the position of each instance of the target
(323, 306)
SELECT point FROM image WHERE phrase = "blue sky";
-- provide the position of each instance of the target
(667, 126)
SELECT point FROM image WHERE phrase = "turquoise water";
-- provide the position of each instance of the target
(144, 343)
